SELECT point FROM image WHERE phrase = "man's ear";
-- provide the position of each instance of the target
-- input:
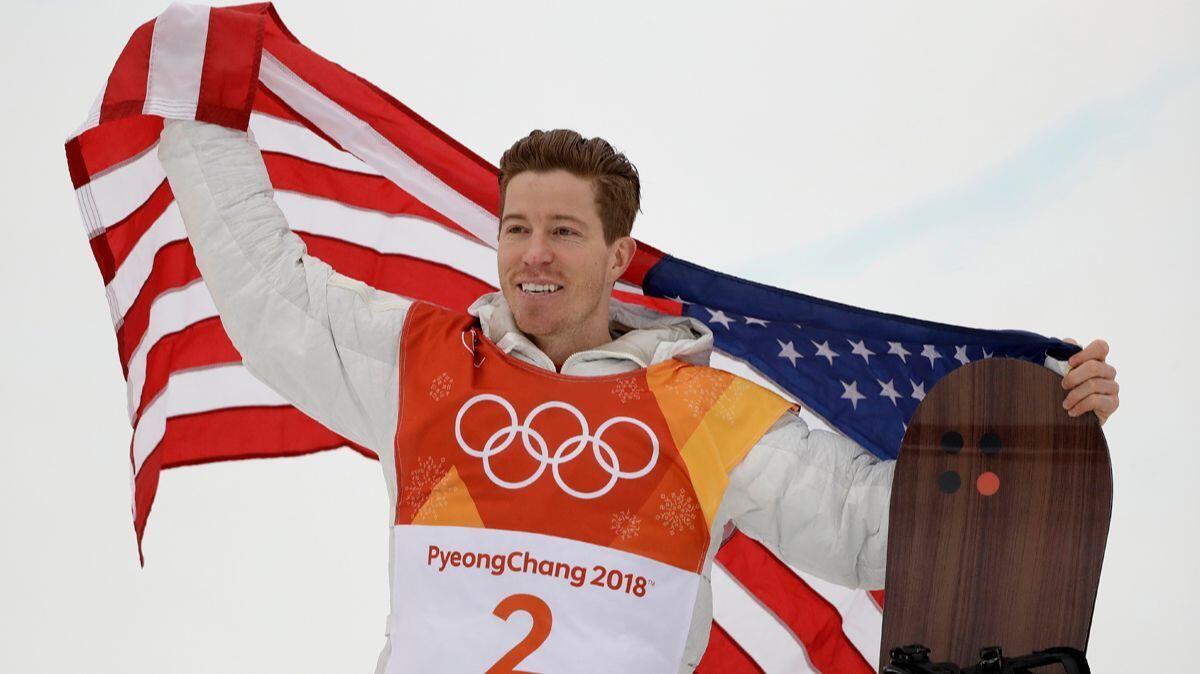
(623, 250)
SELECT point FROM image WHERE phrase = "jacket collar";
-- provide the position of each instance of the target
(641, 337)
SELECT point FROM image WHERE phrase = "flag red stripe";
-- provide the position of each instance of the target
(669, 307)
(102, 147)
(221, 435)
(363, 190)
(103, 254)
(814, 621)
(268, 102)
(175, 266)
(287, 173)
(725, 656)
(459, 168)
(646, 257)
(203, 343)
(877, 595)
(76, 164)
(206, 343)
(400, 274)
(120, 239)
(459, 148)
(230, 72)
(125, 93)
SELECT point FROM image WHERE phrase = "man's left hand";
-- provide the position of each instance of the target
(1091, 383)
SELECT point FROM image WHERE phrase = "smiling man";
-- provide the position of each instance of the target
(558, 260)
(560, 465)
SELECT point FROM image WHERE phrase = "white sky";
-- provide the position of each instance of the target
(1027, 165)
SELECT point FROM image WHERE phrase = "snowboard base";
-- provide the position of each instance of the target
(999, 518)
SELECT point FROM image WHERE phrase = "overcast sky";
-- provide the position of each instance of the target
(1030, 165)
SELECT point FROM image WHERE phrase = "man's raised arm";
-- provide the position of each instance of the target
(325, 342)
(818, 500)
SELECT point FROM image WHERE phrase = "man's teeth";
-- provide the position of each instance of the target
(535, 288)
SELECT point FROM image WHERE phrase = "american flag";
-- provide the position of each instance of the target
(384, 196)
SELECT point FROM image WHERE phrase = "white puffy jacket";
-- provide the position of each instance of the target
(328, 344)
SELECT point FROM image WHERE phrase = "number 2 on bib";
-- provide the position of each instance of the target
(542, 620)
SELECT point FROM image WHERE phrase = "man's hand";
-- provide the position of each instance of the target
(1091, 382)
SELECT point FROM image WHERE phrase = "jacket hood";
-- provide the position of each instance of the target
(641, 336)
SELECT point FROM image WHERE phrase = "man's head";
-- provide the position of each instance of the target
(567, 206)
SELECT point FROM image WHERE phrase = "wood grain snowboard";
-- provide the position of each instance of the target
(999, 517)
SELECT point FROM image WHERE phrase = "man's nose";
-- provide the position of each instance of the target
(538, 252)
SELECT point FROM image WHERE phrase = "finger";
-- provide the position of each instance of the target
(1103, 405)
(1089, 369)
(1097, 350)
(1094, 385)
(1097, 402)
(1116, 402)
(1089, 387)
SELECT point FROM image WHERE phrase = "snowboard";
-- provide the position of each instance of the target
(999, 516)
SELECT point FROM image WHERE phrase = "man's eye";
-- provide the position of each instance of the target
(564, 230)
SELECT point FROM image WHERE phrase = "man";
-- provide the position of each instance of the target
(553, 453)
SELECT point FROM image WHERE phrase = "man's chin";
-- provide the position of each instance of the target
(534, 326)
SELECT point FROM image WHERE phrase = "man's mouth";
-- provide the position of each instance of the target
(539, 288)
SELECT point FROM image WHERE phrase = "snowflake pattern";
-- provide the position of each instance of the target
(727, 406)
(677, 512)
(628, 389)
(426, 480)
(440, 387)
(699, 387)
(626, 525)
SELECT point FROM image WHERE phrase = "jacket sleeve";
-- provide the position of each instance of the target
(325, 342)
(816, 499)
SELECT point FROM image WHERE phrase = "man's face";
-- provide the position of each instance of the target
(551, 235)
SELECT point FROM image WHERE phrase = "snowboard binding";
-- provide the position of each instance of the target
(914, 659)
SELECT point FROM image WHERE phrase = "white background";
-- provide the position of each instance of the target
(1026, 165)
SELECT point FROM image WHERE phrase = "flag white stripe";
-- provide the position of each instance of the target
(862, 622)
(756, 629)
(170, 312)
(176, 61)
(629, 288)
(87, 208)
(388, 233)
(129, 278)
(176, 309)
(385, 233)
(281, 135)
(199, 390)
(362, 140)
(120, 190)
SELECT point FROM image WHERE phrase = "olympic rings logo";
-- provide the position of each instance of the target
(535, 445)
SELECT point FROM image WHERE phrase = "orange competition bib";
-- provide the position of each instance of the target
(548, 522)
